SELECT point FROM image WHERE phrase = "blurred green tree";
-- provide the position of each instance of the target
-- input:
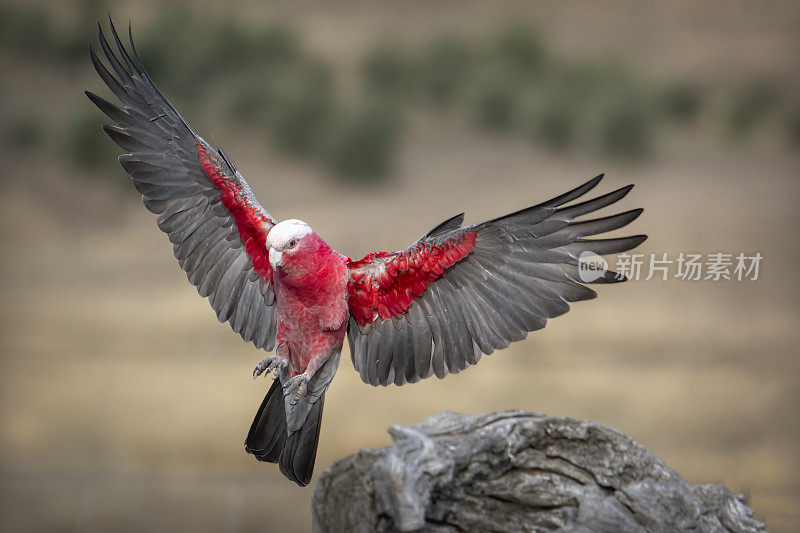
(24, 132)
(362, 140)
(793, 126)
(85, 145)
(550, 115)
(491, 94)
(750, 106)
(389, 73)
(624, 122)
(681, 101)
(517, 46)
(300, 101)
(443, 66)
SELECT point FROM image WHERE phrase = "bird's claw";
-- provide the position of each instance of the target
(267, 365)
(296, 387)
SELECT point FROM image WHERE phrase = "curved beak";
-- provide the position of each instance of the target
(275, 258)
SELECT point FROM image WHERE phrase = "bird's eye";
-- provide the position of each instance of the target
(292, 243)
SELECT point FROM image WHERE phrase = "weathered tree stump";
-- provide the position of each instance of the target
(517, 471)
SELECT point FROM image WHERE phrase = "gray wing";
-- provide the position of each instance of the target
(216, 226)
(522, 270)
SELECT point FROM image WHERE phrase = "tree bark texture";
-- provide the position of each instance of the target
(517, 471)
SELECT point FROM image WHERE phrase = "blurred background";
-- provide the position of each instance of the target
(124, 404)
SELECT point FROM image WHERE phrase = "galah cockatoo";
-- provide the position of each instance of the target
(431, 309)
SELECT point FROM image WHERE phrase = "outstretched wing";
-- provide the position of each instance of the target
(217, 228)
(457, 293)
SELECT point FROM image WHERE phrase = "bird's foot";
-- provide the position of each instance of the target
(296, 387)
(268, 364)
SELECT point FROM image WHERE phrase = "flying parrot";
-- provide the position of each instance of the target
(430, 309)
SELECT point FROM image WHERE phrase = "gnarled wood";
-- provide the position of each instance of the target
(517, 471)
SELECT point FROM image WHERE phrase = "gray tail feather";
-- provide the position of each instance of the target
(267, 435)
(300, 449)
(268, 439)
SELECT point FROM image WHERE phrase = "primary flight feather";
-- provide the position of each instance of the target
(431, 309)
